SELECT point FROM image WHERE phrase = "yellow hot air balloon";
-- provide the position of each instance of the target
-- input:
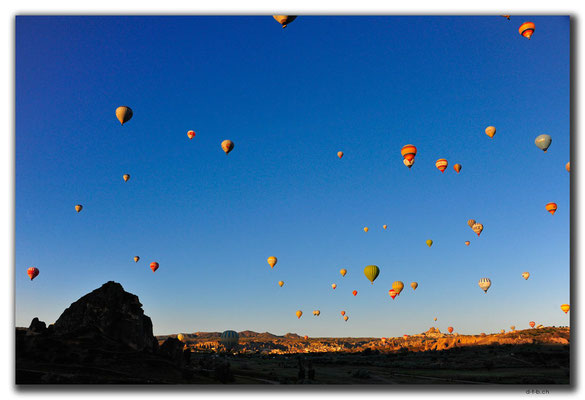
(414, 285)
(372, 272)
(525, 275)
(441, 164)
(343, 271)
(299, 313)
(467, 242)
(568, 166)
(398, 286)
(551, 208)
(124, 114)
(484, 284)
(280, 283)
(136, 259)
(457, 167)
(180, 337)
(227, 146)
(340, 154)
(78, 207)
(384, 226)
(490, 131)
(477, 228)
(345, 318)
(471, 222)
(527, 29)
(126, 177)
(272, 261)
(429, 242)
(333, 286)
(565, 308)
(284, 20)
(408, 163)
(366, 229)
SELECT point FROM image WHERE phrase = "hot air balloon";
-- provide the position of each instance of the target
(429, 242)
(124, 114)
(272, 261)
(398, 286)
(543, 142)
(568, 166)
(408, 163)
(484, 284)
(306, 337)
(136, 258)
(384, 226)
(450, 329)
(343, 313)
(334, 286)
(191, 134)
(471, 222)
(502, 331)
(477, 228)
(229, 339)
(32, 272)
(527, 29)
(405, 337)
(414, 285)
(392, 293)
(78, 207)
(565, 308)
(435, 318)
(506, 16)
(346, 318)
(490, 131)
(441, 164)
(316, 313)
(467, 242)
(408, 152)
(371, 272)
(366, 229)
(532, 323)
(354, 292)
(343, 271)
(340, 154)
(457, 167)
(512, 327)
(126, 177)
(525, 275)
(551, 208)
(300, 313)
(180, 337)
(153, 266)
(284, 20)
(227, 146)
(280, 283)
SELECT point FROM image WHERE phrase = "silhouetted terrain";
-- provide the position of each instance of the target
(104, 337)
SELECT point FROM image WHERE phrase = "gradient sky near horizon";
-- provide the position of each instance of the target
(290, 99)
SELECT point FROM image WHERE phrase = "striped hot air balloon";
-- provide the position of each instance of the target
(408, 152)
(229, 339)
(32, 272)
(527, 29)
(392, 293)
(484, 284)
(272, 261)
(441, 164)
(551, 208)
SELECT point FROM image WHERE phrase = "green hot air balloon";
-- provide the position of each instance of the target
(372, 272)
(543, 142)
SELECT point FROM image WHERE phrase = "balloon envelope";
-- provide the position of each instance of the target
(280, 283)
(126, 177)
(429, 242)
(180, 337)
(565, 308)
(272, 261)
(371, 272)
(346, 318)
(457, 167)
(284, 20)
(414, 285)
(124, 114)
(78, 207)
(136, 258)
(299, 313)
(551, 208)
(384, 226)
(543, 142)
(490, 131)
(441, 164)
(227, 146)
(354, 292)
(525, 275)
(191, 134)
(340, 154)
(467, 242)
(527, 29)
(484, 284)
(471, 222)
(229, 339)
(366, 229)
(343, 271)
(477, 228)
(568, 166)
(392, 293)
(450, 329)
(408, 152)
(532, 323)
(154, 266)
(398, 286)
(32, 272)
(334, 286)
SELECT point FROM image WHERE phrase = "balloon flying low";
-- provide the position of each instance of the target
(532, 323)
(450, 329)
(272, 261)
(227, 146)
(153, 266)
(124, 114)
(180, 337)
(32, 272)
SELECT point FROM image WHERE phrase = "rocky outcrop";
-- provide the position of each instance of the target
(36, 327)
(173, 349)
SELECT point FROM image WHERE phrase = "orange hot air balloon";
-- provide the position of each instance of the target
(272, 261)
(343, 313)
(340, 154)
(392, 293)
(477, 228)
(408, 152)
(123, 114)
(78, 207)
(471, 222)
(565, 308)
(467, 242)
(227, 146)
(527, 29)
(284, 20)
(366, 229)
(345, 318)
(354, 292)
(280, 283)
(441, 164)
(191, 134)
(568, 166)
(450, 329)
(457, 167)
(136, 258)
(334, 286)
(490, 131)
(153, 266)
(405, 337)
(384, 226)
(551, 208)
(306, 337)
(414, 285)
(532, 323)
(506, 16)
(126, 177)
(525, 275)
(299, 313)
(343, 271)
(32, 272)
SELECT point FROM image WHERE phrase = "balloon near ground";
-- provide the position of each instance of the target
(371, 272)
(124, 114)
(450, 329)
(527, 29)
(227, 146)
(180, 337)
(32, 272)
(229, 339)
(551, 208)
(272, 261)
(154, 266)
(532, 324)
(284, 20)
(543, 142)
(490, 131)
(484, 284)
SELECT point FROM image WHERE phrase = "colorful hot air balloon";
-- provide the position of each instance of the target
(284, 20)
(366, 229)
(392, 293)
(471, 222)
(408, 152)
(227, 146)
(490, 131)
(532, 323)
(512, 327)
(506, 16)
(502, 331)
(527, 29)
(316, 313)
(565, 308)
(180, 337)
(384, 226)
(78, 207)
(484, 284)
(441, 164)
(32, 272)
(525, 275)
(429, 242)
(457, 167)
(343, 313)
(280, 283)
(333, 286)
(153, 266)
(450, 329)
(126, 177)
(343, 271)
(408, 163)
(398, 286)
(340, 154)
(551, 208)
(229, 339)
(414, 285)
(467, 242)
(300, 313)
(354, 292)
(477, 228)
(272, 261)
(191, 134)
(568, 166)
(543, 142)
(306, 337)
(371, 272)
(124, 114)
(345, 318)
(136, 258)
(405, 337)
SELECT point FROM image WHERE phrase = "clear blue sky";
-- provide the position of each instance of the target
(290, 99)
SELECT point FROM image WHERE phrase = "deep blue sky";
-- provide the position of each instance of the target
(290, 99)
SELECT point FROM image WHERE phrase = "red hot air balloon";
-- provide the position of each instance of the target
(450, 329)
(342, 313)
(441, 164)
(392, 293)
(532, 323)
(408, 152)
(354, 292)
(527, 29)
(551, 208)
(191, 134)
(153, 266)
(340, 154)
(32, 272)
